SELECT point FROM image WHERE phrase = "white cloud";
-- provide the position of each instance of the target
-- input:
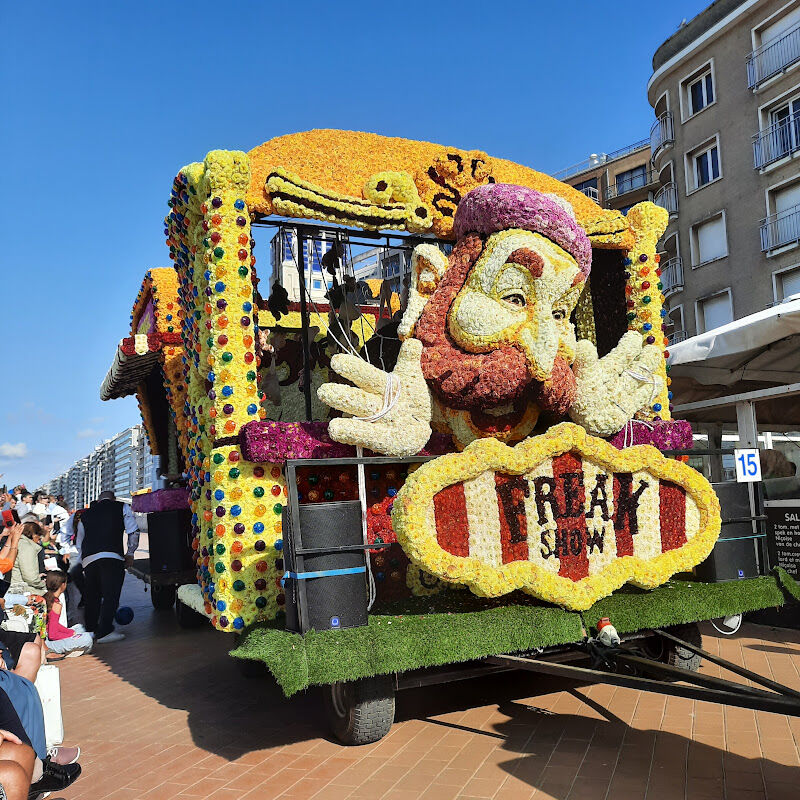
(87, 433)
(8, 450)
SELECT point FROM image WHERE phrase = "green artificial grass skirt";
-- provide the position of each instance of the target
(457, 626)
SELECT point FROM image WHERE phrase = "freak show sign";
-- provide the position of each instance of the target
(563, 516)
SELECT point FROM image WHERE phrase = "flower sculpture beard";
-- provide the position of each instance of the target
(495, 392)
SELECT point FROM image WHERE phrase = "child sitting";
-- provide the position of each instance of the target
(72, 641)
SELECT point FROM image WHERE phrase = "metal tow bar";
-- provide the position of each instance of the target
(780, 700)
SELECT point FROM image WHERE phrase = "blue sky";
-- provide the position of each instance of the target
(103, 102)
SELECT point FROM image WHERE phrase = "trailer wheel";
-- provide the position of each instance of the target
(677, 656)
(360, 712)
(188, 618)
(162, 595)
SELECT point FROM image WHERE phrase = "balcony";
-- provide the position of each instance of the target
(773, 57)
(780, 229)
(598, 159)
(672, 276)
(667, 197)
(677, 336)
(591, 192)
(630, 184)
(662, 134)
(777, 141)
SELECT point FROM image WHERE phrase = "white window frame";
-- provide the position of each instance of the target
(693, 254)
(778, 281)
(699, 316)
(684, 98)
(690, 163)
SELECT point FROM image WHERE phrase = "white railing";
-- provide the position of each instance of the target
(776, 141)
(590, 191)
(596, 159)
(667, 197)
(780, 229)
(662, 133)
(672, 276)
(773, 57)
(630, 184)
(677, 336)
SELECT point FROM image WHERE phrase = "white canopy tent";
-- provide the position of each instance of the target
(720, 376)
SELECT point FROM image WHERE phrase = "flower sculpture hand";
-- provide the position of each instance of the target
(385, 407)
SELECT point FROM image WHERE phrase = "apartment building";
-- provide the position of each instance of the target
(285, 265)
(383, 263)
(725, 90)
(615, 180)
(122, 464)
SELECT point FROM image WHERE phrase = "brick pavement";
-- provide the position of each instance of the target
(151, 716)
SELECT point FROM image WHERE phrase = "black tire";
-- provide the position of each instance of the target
(187, 617)
(360, 712)
(162, 595)
(677, 656)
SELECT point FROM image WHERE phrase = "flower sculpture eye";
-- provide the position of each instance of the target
(559, 313)
(516, 299)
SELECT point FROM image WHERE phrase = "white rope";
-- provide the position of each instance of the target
(391, 394)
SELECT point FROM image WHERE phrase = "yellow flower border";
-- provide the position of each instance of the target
(410, 522)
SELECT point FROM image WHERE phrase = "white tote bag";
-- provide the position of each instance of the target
(48, 684)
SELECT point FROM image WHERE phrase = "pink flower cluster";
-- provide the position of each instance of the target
(674, 434)
(499, 206)
(160, 500)
(275, 442)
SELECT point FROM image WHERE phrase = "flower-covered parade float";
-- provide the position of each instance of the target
(496, 432)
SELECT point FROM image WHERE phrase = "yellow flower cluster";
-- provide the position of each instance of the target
(240, 546)
(648, 222)
(294, 197)
(339, 164)
(487, 576)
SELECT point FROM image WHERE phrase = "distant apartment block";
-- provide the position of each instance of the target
(122, 464)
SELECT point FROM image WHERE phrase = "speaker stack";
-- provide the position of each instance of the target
(170, 537)
(325, 561)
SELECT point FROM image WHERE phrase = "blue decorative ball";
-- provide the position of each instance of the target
(124, 615)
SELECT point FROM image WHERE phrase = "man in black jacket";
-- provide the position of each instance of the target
(99, 543)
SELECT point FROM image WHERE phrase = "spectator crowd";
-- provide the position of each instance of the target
(61, 572)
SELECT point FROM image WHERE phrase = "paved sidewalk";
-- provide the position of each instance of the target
(166, 714)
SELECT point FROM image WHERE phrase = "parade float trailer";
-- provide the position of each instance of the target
(468, 478)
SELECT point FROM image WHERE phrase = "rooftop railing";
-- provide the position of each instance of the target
(596, 160)
(780, 229)
(776, 141)
(773, 57)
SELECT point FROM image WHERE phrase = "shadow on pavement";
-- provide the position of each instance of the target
(228, 714)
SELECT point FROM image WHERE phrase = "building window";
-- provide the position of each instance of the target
(697, 91)
(714, 311)
(787, 284)
(288, 252)
(631, 179)
(703, 165)
(709, 240)
(777, 46)
(316, 284)
(590, 183)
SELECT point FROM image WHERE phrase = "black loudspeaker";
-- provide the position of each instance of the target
(328, 601)
(170, 537)
(734, 554)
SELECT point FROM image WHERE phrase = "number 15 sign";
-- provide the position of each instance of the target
(748, 466)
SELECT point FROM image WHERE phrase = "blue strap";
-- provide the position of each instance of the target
(323, 573)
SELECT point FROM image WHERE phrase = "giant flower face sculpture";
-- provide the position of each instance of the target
(489, 340)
